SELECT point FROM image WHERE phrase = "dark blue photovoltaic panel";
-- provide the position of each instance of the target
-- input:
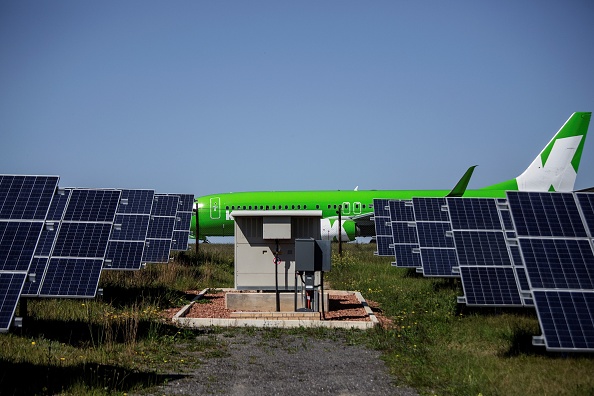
(507, 220)
(124, 255)
(161, 227)
(401, 211)
(46, 240)
(31, 289)
(481, 248)
(165, 205)
(566, 319)
(587, 204)
(404, 233)
(438, 262)
(434, 235)
(380, 208)
(494, 286)
(183, 221)
(82, 240)
(58, 204)
(558, 263)
(17, 244)
(180, 240)
(382, 226)
(136, 201)
(70, 277)
(522, 279)
(26, 197)
(430, 209)
(474, 214)
(383, 245)
(10, 290)
(405, 257)
(545, 214)
(157, 251)
(131, 228)
(92, 205)
(186, 202)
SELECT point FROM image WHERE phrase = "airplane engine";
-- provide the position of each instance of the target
(330, 229)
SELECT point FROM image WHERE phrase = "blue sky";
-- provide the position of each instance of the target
(215, 96)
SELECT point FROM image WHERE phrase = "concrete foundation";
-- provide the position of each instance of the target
(266, 302)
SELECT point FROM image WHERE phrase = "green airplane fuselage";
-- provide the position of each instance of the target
(215, 211)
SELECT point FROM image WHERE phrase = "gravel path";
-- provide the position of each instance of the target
(254, 364)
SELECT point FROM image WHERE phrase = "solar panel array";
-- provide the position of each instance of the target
(383, 229)
(55, 242)
(24, 203)
(554, 232)
(183, 220)
(160, 229)
(533, 249)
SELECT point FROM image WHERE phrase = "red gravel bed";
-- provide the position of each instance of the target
(341, 307)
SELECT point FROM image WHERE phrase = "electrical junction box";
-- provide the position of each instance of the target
(312, 255)
(263, 235)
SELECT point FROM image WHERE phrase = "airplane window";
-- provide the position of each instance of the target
(243, 207)
(357, 206)
(226, 208)
(329, 206)
(292, 206)
(317, 206)
(304, 206)
(286, 206)
(267, 207)
(298, 206)
(273, 207)
(334, 206)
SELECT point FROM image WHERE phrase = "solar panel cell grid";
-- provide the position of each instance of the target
(474, 214)
(160, 228)
(495, 286)
(125, 255)
(180, 240)
(383, 245)
(17, 244)
(438, 262)
(405, 257)
(26, 197)
(587, 204)
(382, 226)
(545, 214)
(566, 319)
(183, 221)
(165, 205)
(401, 211)
(381, 207)
(558, 263)
(11, 284)
(157, 251)
(136, 201)
(71, 277)
(82, 240)
(434, 235)
(430, 209)
(130, 228)
(404, 233)
(486, 248)
(92, 205)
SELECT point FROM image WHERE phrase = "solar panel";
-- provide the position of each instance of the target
(439, 262)
(160, 230)
(434, 235)
(74, 268)
(490, 285)
(566, 319)
(404, 233)
(558, 263)
(545, 214)
(407, 256)
(183, 221)
(11, 284)
(127, 240)
(24, 204)
(26, 197)
(587, 204)
(430, 209)
(401, 210)
(17, 244)
(473, 214)
(486, 248)
(383, 229)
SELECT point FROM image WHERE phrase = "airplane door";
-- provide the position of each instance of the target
(346, 208)
(215, 208)
(356, 207)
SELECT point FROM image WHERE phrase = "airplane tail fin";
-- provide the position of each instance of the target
(555, 168)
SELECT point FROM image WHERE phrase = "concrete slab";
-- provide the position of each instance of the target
(181, 320)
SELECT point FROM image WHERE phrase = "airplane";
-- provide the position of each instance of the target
(554, 169)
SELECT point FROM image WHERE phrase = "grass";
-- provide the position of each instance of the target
(119, 343)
